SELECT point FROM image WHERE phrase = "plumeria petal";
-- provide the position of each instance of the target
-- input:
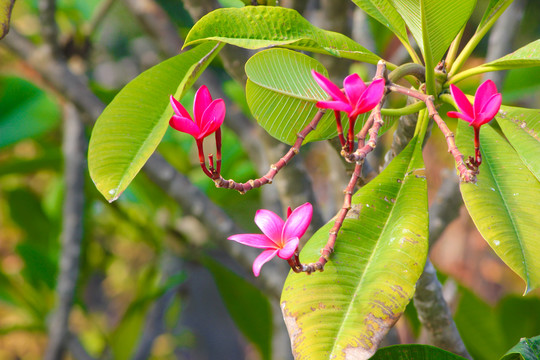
(201, 102)
(483, 94)
(297, 224)
(490, 109)
(288, 250)
(456, 115)
(354, 87)
(185, 125)
(259, 241)
(179, 109)
(262, 259)
(270, 224)
(335, 105)
(331, 89)
(212, 117)
(370, 98)
(463, 104)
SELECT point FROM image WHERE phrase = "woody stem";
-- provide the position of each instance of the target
(274, 168)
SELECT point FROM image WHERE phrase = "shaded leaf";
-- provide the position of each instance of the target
(255, 27)
(504, 202)
(247, 305)
(345, 311)
(27, 111)
(522, 129)
(526, 349)
(414, 352)
(131, 127)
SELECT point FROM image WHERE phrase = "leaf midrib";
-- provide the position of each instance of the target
(362, 278)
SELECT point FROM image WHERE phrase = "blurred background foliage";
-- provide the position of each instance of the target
(142, 254)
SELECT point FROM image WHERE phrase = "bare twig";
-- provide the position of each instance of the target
(75, 164)
(49, 30)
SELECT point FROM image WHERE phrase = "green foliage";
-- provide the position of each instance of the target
(131, 127)
(255, 27)
(345, 311)
(522, 129)
(27, 111)
(526, 349)
(505, 184)
(413, 352)
(247, 305)
(5, 16)
(494, 9)
(528, 55)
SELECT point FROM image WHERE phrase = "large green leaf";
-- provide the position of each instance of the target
(414, 352)
(27, 111)
(345, 311)
(526, 56)
(247, 305)
(504, 202)
(526, 349)
(282, 94)
(130, 128)
(384, 12)
(522, 129)
(255, 27)
(434, 24)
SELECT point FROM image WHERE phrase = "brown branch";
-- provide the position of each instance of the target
(274, 168)
(467, 170)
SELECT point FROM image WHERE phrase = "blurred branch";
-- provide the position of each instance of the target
(501, 38)
(77, 349)
(98, 15)
(56, 74)
(74, 148)
(49, 30)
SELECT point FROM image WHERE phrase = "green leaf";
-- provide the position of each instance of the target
(384, 12)
(526, 56)
(247, 305)
(522, 129)
(345, 311)
(255, 27)
(282, 94)
(526, 349)
(413, 352)
(27, 111)
(131, 127)
(504, 202)
(434, 24)
(5, 14)
(494, 8)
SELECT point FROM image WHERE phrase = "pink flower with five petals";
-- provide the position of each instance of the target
(358, 97)
(487, 102)
(279, 237)
(209, 115)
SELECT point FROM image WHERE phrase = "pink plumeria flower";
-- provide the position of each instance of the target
(358, 97)
(208, 114)
(279, 237)
(487, 102)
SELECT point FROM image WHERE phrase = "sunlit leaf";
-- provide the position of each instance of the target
(494, 8)
(130, 128)
(5, 16)
(522, 129)
(255, 27)
(434, 23)
(282, 94)
(504, 202)
(345, 311)
(385, 13)
(414, 352)
(526, 56)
